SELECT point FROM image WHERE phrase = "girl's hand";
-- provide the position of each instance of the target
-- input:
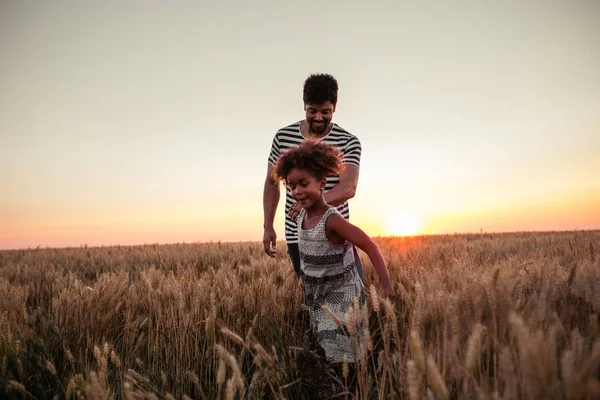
(386, 289)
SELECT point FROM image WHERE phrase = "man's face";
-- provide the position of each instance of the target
(319, 116)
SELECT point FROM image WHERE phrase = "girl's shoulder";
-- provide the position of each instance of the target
(336, 221)
(331, 212)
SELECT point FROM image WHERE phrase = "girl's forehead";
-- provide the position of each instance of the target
(299, 173)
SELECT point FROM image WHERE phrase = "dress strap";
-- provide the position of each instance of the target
(328, 213)
(300, 217)
(331, 210)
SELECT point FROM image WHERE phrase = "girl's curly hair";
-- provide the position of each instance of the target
(316, 157)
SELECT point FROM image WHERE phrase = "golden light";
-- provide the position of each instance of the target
(405, 224)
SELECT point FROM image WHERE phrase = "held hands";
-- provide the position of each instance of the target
(294, 210)
(270, 242)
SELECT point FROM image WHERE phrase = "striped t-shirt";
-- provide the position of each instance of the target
(338, 137)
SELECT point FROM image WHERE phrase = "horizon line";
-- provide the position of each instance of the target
(421, 235)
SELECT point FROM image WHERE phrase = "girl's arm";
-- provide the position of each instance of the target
(339, 225)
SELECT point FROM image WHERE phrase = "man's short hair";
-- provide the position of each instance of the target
(319, 88)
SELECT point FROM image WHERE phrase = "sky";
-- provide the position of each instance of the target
(131, 122)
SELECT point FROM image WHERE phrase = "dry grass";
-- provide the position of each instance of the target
(505, 316)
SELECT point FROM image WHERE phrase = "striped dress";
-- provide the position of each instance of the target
(330, 278)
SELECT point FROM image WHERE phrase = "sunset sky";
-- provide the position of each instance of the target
(130, 122)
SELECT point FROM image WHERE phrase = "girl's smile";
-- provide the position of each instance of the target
(305, 188)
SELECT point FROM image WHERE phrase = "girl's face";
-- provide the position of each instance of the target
(306, 189)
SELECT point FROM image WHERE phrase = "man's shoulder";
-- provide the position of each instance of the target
(292, 129)
(340, 132)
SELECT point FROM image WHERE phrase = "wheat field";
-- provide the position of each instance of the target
(481, 316)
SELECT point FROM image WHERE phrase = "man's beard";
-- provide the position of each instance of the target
(319, 128)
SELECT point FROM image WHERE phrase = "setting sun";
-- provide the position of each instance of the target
(405, 224)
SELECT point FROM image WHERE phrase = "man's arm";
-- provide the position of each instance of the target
(346, 188)
(270, 202)
(340, 193)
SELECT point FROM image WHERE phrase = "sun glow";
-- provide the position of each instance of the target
(405, 224)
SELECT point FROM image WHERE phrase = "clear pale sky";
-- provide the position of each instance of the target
(129, 122)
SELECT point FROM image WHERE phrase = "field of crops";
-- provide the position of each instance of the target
(490, 316)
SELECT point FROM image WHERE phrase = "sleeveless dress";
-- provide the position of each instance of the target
(329, 277)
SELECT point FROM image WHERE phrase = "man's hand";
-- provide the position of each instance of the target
(294, 210)
(270, 242)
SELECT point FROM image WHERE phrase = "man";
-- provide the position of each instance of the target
(320, 99)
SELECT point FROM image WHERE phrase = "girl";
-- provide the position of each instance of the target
(325, 239)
